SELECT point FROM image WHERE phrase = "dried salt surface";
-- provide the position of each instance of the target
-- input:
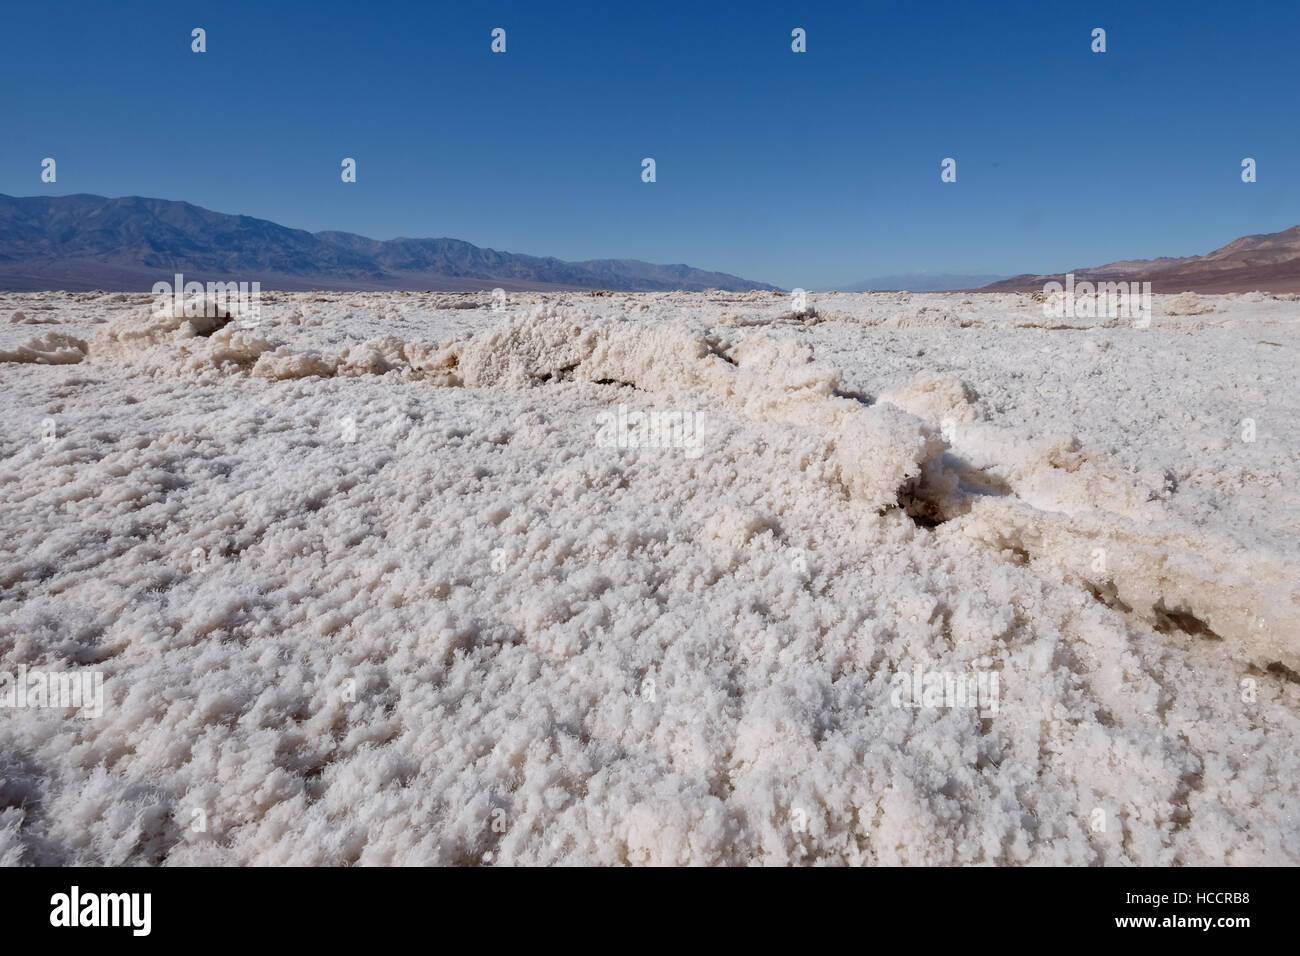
(365, 587)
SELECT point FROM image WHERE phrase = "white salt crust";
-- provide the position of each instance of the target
(366, 587)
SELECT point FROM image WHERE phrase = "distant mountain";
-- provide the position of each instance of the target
(920, 282)
(128, 244)
(1269, 262)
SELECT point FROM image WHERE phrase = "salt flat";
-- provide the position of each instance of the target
(369, 582)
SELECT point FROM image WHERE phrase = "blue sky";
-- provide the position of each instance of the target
(808, 169)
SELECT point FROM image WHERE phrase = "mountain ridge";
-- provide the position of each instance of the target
(128, 243)
(1268, 261)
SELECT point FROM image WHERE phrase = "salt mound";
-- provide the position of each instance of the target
(1061, 506)
(1188, 303)
(179, 338)
(50, 349)
(936, 397)
(874, 450)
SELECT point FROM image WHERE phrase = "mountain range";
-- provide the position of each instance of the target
(85, 242)
(1269, 262)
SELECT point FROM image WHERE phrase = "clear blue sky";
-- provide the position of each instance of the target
(800, 169)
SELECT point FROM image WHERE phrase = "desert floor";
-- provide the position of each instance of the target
(612, 578)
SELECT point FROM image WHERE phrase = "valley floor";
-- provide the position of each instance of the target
(408, 578)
